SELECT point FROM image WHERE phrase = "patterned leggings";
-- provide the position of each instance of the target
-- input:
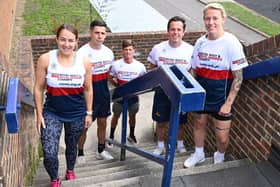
(50, 142)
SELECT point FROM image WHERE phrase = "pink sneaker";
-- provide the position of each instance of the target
(70, 175)
(56, 183)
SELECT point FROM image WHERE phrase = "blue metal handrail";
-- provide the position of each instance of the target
(17, 94)
(261, 69)
(185, 95)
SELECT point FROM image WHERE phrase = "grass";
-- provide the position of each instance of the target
(252, 19)
(42, 17)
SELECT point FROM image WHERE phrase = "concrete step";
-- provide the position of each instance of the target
(91, 156)
(102, 167)
(154, 178)
(134, 171)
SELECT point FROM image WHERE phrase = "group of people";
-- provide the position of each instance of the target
(76, 86)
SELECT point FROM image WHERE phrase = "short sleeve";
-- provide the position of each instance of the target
(195, 54)
(236, 55)
(152, 57)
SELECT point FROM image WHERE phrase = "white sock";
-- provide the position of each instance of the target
(180, 144)
(199, 150)
(220, 155)
(161, 144)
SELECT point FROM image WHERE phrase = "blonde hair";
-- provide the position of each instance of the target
(216, 6)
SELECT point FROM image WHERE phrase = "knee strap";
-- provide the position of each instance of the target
(222, 129)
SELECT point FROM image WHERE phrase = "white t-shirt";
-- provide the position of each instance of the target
(214, 61)
(225, 53)
(125, 72)
(164, 54)
(100, 59)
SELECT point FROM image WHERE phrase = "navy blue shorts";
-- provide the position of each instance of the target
(162, 108)
(101, 110)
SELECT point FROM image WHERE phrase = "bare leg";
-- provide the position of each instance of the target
(132, 119)
(101, 130)
(82, 139)
(161, 131)
(180, 132)
(114, 123)
(115, 119)
(200, 129)
(222, 129)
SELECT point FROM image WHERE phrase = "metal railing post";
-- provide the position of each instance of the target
(171, 146)
(124, 126)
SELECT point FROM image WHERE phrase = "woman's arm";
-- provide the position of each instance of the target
(235, 87)
(39, 88)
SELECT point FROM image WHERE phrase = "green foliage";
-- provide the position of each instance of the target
(42, 17)
(40, 150)
(252, 19)
(33, 165)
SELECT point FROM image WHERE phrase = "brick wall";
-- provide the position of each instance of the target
(17, 151)
(14, 156)
(7, 15)
(143, 41)
(258, 107)
(4, 64)
(256, 122)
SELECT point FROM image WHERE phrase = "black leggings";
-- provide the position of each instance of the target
(50, 142)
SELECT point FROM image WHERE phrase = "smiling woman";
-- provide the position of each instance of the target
(67, 79)
(217, 63)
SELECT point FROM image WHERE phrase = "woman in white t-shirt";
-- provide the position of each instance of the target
(217, 63)
(65, 77)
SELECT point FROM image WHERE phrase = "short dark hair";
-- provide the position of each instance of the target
(67, 27)
(97, 23)
(127, 43)
(176, 18)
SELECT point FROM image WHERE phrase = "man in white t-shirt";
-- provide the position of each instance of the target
(168, 53)
(101, 58)
(122, 71)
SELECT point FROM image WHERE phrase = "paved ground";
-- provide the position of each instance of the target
(192, 11)
(268, 8)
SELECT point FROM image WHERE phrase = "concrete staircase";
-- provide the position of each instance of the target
(134, 171)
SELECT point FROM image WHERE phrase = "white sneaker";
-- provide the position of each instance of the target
(193, 160)
(81, 160)
(159, 151)
(181, 150)
(104, 155)
(218, 159)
